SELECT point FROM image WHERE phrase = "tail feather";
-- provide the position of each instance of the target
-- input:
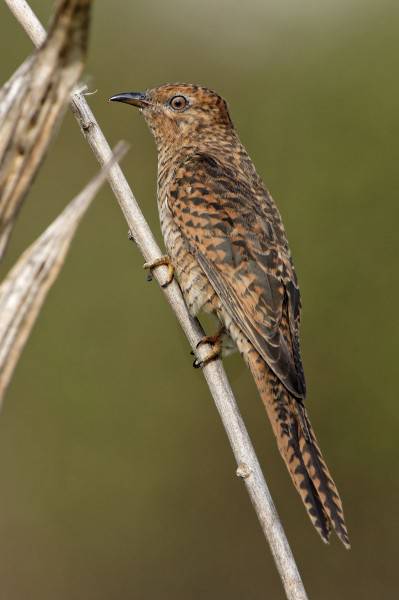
(298, 447)
(304, 484)
(318, 471)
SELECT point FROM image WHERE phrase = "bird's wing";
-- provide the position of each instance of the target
(239, 242)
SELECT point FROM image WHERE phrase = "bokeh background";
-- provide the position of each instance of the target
(116, 478)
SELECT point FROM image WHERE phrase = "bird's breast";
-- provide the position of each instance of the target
(197, 291)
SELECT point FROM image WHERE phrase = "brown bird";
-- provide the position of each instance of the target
(227, 245)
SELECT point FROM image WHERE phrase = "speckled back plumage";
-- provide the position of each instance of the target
(227, 242)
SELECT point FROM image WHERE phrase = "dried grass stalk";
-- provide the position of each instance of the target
(25, 288)
(32, 104)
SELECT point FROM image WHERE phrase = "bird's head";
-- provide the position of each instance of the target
(178, 113)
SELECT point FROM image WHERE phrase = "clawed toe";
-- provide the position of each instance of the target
(161, 261)
(216, 342)
(213, 355)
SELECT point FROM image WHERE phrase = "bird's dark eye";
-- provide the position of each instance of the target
(178, 102)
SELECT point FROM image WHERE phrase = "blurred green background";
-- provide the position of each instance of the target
(116, 478)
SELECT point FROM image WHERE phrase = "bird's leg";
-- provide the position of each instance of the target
(161, 261)
(216, 342)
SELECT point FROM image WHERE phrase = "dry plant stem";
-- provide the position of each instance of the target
(25, 288)
(248, 466)
(33, 103)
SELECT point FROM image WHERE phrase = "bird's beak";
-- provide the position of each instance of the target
(139, 99)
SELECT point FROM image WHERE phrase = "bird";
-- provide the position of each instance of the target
(226, 245)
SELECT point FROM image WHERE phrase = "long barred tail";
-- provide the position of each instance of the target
(299, 448)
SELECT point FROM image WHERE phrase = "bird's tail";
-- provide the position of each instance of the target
(301, 453)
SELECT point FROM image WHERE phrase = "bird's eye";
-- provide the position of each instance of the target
(178, 102)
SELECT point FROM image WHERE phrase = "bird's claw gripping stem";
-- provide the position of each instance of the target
(161, 261)
(216, 342)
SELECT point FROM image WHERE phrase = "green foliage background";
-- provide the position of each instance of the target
(116, 478)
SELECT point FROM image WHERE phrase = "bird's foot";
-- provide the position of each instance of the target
(215, 341)
(161, 261)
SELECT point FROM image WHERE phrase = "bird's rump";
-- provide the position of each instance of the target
(240, 245)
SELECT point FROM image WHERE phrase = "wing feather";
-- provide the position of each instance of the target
(239, 242)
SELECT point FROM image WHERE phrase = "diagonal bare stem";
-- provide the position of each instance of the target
(248, 465)
(24, 290)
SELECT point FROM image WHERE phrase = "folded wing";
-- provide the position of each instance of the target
(239, 241)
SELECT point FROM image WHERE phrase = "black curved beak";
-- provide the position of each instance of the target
(139, 99)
